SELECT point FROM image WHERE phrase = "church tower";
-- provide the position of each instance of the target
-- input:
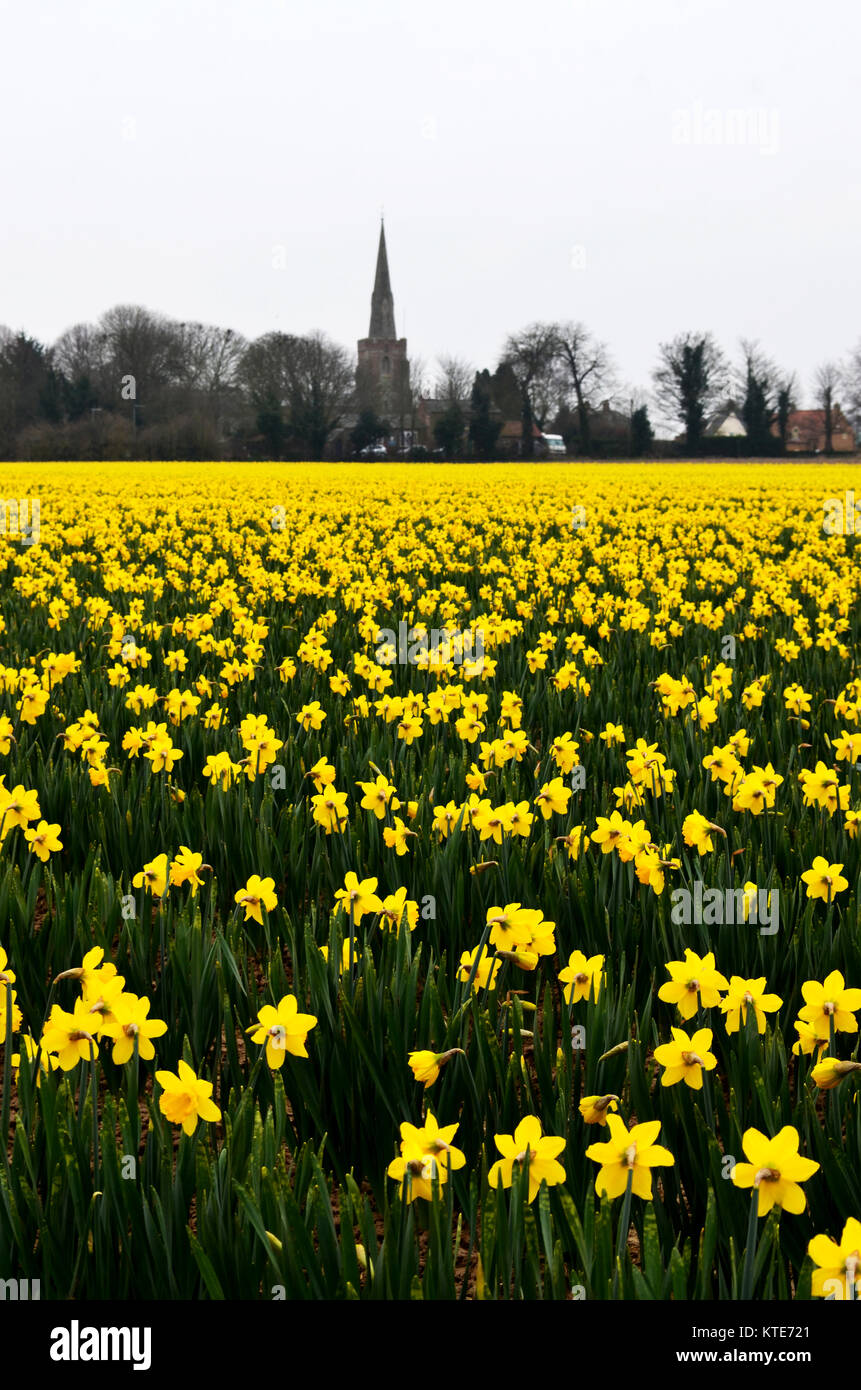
(383, 374)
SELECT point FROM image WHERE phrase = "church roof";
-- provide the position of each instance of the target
(382, 300)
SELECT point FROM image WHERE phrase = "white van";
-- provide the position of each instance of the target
(553, 445)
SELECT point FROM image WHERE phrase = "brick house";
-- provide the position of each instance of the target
(805, 432)
(511, 437)
(608, 426)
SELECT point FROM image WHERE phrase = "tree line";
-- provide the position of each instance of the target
(561, 370)
(138, 384)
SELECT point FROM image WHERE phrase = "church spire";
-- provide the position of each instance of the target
(382, 300)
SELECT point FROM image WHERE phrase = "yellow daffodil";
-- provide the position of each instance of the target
(283, 1029)
(185, 1099)
(686, 1058)
(775, 1168)
(542, 1152)
(629, 1151)
(744, 995)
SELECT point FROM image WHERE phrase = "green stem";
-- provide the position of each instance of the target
(750, 1248)
(352, 950)
(94, 1089)
(833, 1102)
(5, 1105)
(132, 1097)
(707, 1102)
(622, 1235)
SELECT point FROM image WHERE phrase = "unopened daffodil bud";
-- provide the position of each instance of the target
(830, 1072)
(426, 1065)
(594, 1108)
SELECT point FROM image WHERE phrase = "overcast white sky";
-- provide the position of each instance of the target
(644, 165)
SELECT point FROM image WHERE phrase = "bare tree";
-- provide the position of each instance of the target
(628, 396)
(852, 386)
(420, 378)
(531, 355)
(299, 386)
(207, 362)
(321, 383)
(264, 368)
(419, 389)
(81, 351)
(586, 369)
(826, 383)
(141, 356)
(454, 380)
(690, 380)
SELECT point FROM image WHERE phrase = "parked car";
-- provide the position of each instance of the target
(373, 451)
(414, 453)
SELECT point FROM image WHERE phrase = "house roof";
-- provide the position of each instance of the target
(608, 425)
(808, 420)
(607, 413)
(715, 423)
(513, 429)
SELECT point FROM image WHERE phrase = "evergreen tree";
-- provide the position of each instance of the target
(270, 423)
(369, 428)
(690, 380)
(483, 430)
(449, 430)
(642, 435)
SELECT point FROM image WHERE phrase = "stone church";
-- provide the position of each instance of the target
(383, 373)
